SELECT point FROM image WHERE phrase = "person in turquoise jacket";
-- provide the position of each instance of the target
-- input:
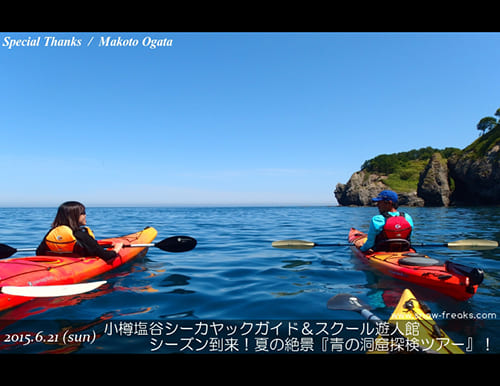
(380, 226)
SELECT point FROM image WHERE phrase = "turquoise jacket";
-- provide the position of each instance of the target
(376, 226)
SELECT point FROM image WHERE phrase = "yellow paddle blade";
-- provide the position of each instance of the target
(473, 244)
(293, 244)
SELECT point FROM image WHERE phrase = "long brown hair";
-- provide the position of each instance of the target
(68, 214)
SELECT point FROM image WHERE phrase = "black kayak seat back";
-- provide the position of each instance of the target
(393, 245)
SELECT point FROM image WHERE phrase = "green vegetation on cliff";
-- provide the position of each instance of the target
(490, 137)
(484, 143)
(403, 169)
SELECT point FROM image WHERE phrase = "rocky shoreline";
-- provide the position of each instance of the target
(469, 178)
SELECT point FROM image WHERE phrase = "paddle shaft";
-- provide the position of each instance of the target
(107, 245)
(333, 245)
(170, 244)
(447, 245)
(472, 244)
(370, 316)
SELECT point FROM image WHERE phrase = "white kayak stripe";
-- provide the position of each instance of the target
(47, 291)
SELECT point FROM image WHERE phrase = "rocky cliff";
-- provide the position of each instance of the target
(476, 172)
(433, 186)
(360, 189)
(468, 177)
(363, 186)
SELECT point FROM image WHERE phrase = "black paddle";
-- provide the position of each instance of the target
(170, 244)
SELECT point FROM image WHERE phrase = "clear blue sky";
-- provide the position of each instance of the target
(230, 118)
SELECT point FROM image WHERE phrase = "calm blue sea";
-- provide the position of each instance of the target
(235, 282)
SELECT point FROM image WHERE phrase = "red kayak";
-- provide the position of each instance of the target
(455, 280)
(55, 270)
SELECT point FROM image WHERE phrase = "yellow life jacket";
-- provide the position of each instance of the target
(61, 239)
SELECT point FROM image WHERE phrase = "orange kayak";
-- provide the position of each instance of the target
(55, 270)
(456, 280)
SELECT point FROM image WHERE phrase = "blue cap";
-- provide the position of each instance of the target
(386, 195)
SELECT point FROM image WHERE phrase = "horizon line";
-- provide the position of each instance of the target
(170, 205)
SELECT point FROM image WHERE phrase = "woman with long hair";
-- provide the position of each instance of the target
(69, 235)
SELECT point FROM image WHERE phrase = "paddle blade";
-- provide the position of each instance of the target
(177, 244)
(346, 302)
(48, 291)
(473, 244)
(293, 244)
(6, 251)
